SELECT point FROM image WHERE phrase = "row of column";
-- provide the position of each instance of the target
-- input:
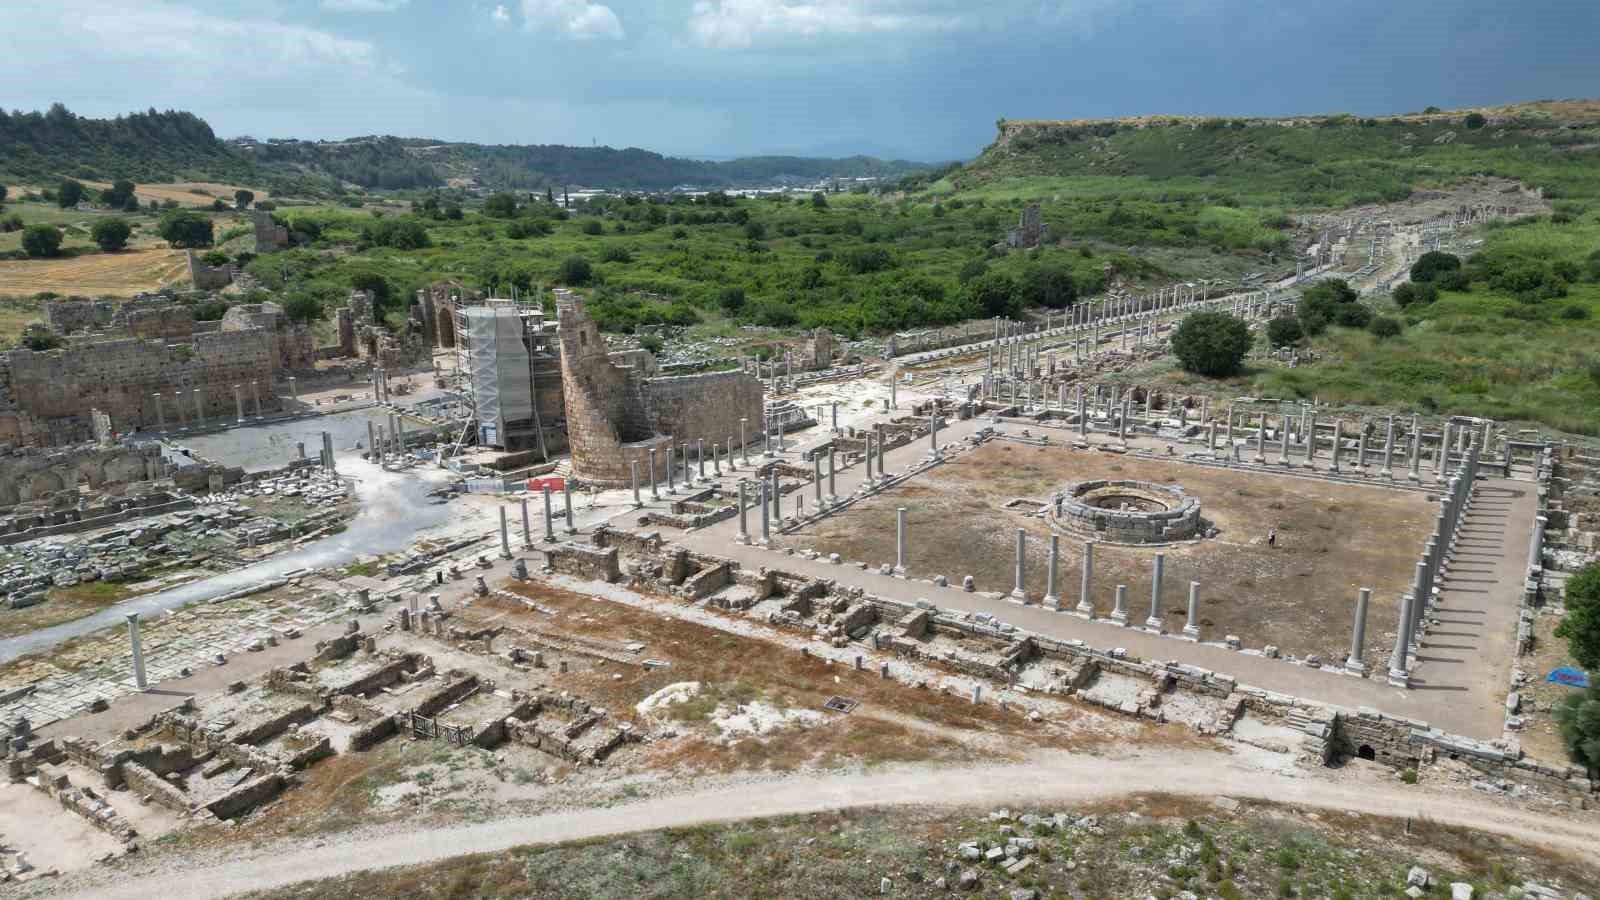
(1438, 552)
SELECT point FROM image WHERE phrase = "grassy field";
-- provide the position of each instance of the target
(1170, 846)
(121, 274)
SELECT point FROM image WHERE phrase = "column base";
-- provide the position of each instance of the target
(742, 539)
(898, 571)
(1399, 678)
(1084, 610)
(1386, 473)
(1156, 625)
(1051, 602)
(1191, 632)
(1355, 667)
(1119, 618)
(1018, 597)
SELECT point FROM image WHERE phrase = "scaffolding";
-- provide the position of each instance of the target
(494, 347)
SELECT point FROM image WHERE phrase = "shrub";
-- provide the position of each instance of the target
(575, 271)
(863, 260)
(652, 342)
(1353, 315)
(593, 226)
(111, 234)
(1048, 286)
(1409, 776)
(1211, 344)
(1453, 281)
(1575, 313)
(400, 233)
(1578, 717)
(41, 240)
(1415, 294)
(1284, 330)
(731, 299)
(1384, 327)
(1474, 121)
(616, 253)
(11, 223)
(1581, 625)
(69, 193)
(976, 268)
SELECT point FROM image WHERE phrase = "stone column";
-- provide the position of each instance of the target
(833, 493)
(1388, 450)
(1086, 582)
(777, 496)
(716, 459)
(376, 453)
(1156, 567)
(900, 540)
(882, 442)
(1338, 429)
(766, 517)
(549, 517)
(238, 401)
(566, 496)
(672, 464)
(255, 395)
(1361, 449)
(834, 412)
(933, 433)
(327, 449)
(1191, 627)
(867, 457)
(1261, 441)
(744, 515)
(137, 650)
(633, 472)
(1444, 454)
(1311, 442)
(655, 492)
(816, 476)
(894, 383)
(1052, 595)
(294, 389)
(527, 531)
(1399, 671)
(1358, 637)
(744, 446)
(1416, 454)
(1536, 546)
(161, 415)
(1119, 612)
(199, 406)
(505, 534)
(1017, 592)
(700, 457)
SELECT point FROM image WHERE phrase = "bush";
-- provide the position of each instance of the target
(1384, 327)
(185, 228)
(994, 294)
(1211, 344)
(11, 223)
(1284, 330)
(1415, 294)
(1453, 281)
(1408, 776)
(1581, 625)
(971, 269)
(616, 253)
(69, 193)
(1578, 717)
(41, 240)
(773, 314)
(593, 226)
(575, 271)
(1575, 313)
(302, 307)
(1434, 263)
(1353, 315)
(863, 260)
(400, 234)
(374, 284)
(111, 234)
(731, 299)
(652, 342)
(1048, 286)
(1474, 121)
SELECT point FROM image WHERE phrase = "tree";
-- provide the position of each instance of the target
(1429, 266)
(1211, 344)
(69, 193)
(652, 342)
(593, 226)
(500, 206)
(755, 231)
(1284, 330)
(41, 240)
(1581, 625)
(819, 200)
(1474, 121)
(1048, 286)
(972, 268)
(1414, 293)
(1384, 327)
(731, 299)
(243, 198)
(994, 294)
(111, 234)
(302, 307)
(118, 195)
(39, 340)
(575, 271)
(185, 228)
(374, 284)
(2, 193)
(218, 205)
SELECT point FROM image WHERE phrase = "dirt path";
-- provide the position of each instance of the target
(1046, 781)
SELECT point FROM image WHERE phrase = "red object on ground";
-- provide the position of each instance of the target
(556, 484)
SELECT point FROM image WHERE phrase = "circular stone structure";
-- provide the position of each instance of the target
(1127, 512)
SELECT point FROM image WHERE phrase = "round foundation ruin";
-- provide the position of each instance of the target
(1127, 512)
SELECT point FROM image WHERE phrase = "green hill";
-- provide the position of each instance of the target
(1314, 161)
(145, 147)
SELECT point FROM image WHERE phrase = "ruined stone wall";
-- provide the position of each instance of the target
(208, 278)
(708, 406)
(28, 474)
(67, 316)
(270, 236)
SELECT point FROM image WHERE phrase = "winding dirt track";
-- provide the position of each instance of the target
(1060, 779)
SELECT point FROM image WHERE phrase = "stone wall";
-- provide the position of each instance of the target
(67, 316)
(46, 398)
(28, 474)
(706, 406)
(584, 562)
(208, 278)
(270, 236)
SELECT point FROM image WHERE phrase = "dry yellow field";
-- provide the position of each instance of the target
(113, 274)
(181, 192)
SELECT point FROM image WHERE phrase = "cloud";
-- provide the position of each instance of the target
(501, 15)
(740, 23)
(364, 6)
(577, 18)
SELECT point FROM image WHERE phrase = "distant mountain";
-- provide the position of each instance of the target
(146, 147)
(180, 146)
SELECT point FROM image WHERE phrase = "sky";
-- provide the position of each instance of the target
(918, 79)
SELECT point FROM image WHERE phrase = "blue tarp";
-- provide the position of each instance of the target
(1569, 676)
